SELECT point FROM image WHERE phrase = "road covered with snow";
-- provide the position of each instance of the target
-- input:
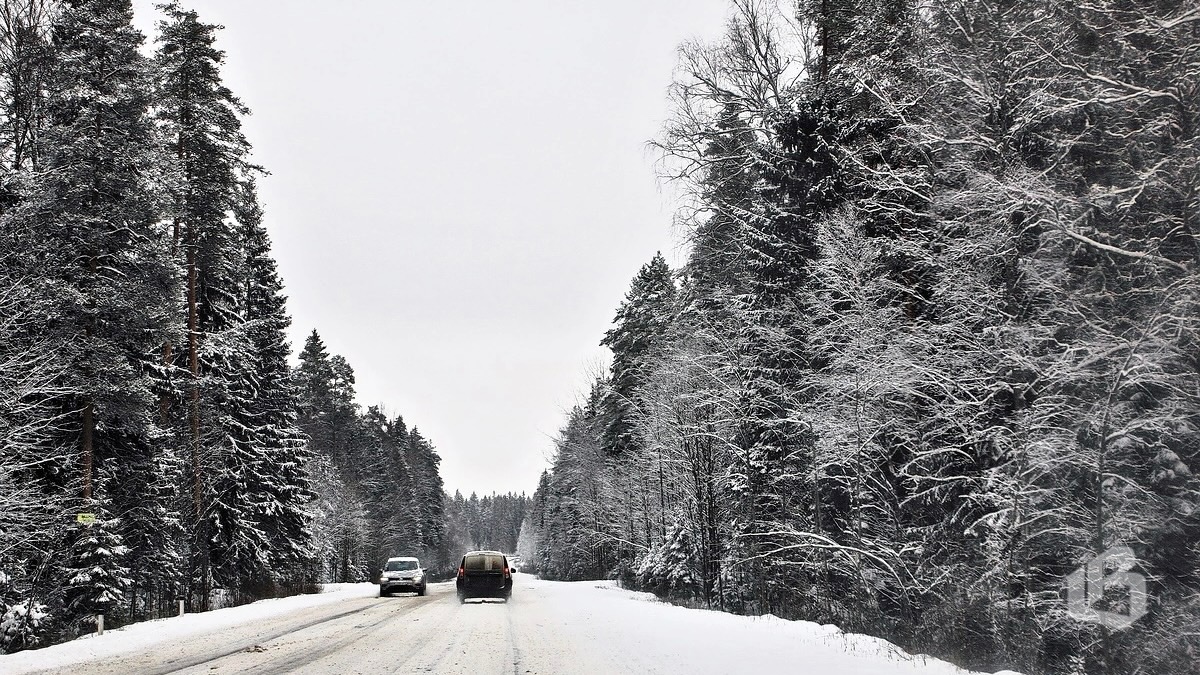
(547, 627)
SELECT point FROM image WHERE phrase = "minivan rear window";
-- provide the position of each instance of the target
(484, 563)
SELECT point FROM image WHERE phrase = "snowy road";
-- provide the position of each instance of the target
(546, 628)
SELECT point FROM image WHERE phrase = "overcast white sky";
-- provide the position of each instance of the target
(460, 194)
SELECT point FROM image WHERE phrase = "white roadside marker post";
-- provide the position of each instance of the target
(181, 608)
(99, 624)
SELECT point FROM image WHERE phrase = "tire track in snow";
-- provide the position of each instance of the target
(303, 656)
(514, 646)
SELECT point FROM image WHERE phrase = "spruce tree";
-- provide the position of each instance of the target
(427, 495)
(94, 222)
(639, 328)
(717, 259)
(279, 482)
(201, 118)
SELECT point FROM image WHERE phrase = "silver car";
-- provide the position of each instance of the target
(401, 574)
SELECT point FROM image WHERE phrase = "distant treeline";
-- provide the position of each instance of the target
(485, 523)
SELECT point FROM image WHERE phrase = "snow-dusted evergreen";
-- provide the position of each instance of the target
(89, 224)
(934, 346)
(378, 491)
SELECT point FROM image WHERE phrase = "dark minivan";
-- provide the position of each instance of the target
(484, 574)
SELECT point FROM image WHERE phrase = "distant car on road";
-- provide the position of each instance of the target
(484, 574)
(401, 574)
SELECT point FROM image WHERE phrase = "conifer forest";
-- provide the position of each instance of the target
(145, 376)
(932, 347)
(936, 342)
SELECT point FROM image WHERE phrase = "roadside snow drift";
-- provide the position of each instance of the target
(145, 635)
(630, 632)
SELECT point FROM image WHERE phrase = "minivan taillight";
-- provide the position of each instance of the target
(461, 573)
(506, 572)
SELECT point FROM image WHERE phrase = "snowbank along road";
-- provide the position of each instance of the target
(547, 627)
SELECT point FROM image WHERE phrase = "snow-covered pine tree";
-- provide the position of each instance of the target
(726, 187)
(695, 408)
(93, 221)
(800, 180)
(201, 118)
(640, 331)
(762, 158)
(329, 417)
(427, 496)
(382, 474)
(639, 328)
(581, 535)
(328, 413)
(97, 578)
(869, 297)
(279, 484)
(366, 468)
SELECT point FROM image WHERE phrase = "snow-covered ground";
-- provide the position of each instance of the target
(628, 632)
(145, 635)
(548, 627)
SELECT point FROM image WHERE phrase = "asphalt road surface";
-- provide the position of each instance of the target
(400, 634)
